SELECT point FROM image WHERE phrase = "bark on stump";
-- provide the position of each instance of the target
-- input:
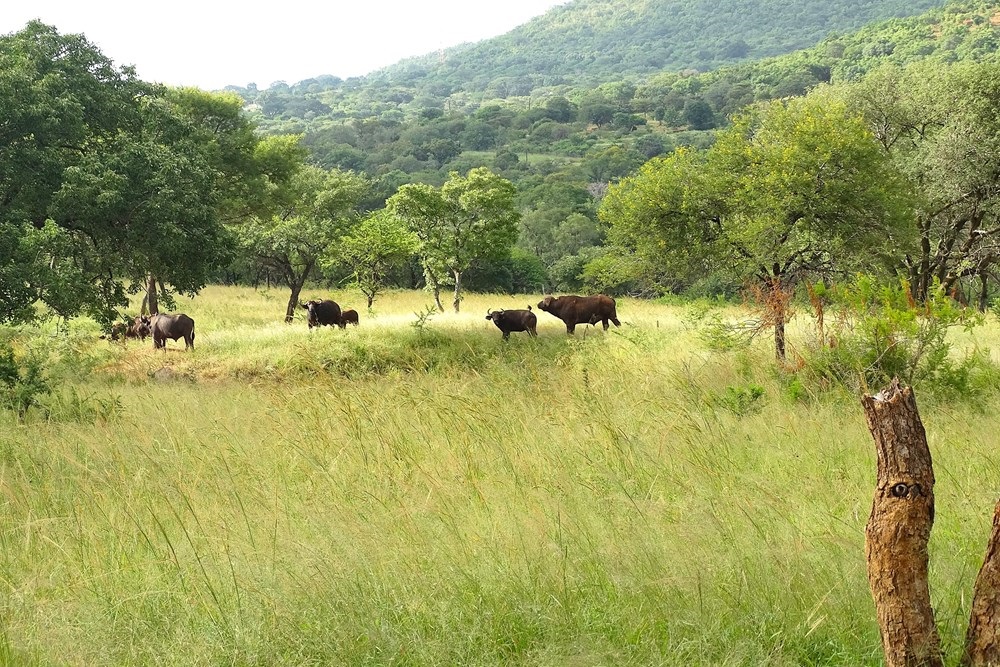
(982, 642)
(898, 530)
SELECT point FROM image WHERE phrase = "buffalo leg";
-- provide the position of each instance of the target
(506, 335)
(570, 328)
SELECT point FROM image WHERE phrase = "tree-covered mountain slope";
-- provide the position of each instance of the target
(600, 40)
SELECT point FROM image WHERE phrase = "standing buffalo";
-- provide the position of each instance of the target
(173, 327)
(322, 313)
(137, 328)
(349, 316)
(575, 310)
(513, 320)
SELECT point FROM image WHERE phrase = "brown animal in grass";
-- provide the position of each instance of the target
(513, 320)
(573, 310)
(349, 316)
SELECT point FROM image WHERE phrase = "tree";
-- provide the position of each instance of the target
(106, 180)
(312, 211)
(939, 125)
(794, 188)
(379, 242)
(468, 218)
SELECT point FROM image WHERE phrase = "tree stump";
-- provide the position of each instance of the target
(982, 642)
(898, 530)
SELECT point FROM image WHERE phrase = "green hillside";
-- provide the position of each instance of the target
(601, 40)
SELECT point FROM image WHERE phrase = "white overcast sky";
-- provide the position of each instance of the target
(214, 44)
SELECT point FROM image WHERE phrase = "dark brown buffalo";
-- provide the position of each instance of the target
(513, 320)
(575, 310)
(137, 328)
(322, 313)
(349, 316)
(162, 327)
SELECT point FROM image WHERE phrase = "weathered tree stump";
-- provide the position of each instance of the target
(982, 642)
(898, 530)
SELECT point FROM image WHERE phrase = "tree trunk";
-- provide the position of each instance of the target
(779, 336)
(982, 642)
(151, 300)
(458, 290)
(293, 301)
(370, 300)
(984, 292)
(898, 530)
(435, 289)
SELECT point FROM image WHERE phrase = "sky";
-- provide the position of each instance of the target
(213, 44)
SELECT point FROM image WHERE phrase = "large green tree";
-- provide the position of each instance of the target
(106, 181)
(312, 212)
(468, 218)
(940, 125)
(793, 189)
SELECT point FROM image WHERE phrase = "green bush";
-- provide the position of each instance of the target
(882, 333)
(22, 381)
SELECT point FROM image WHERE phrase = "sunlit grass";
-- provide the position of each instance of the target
(391, 495)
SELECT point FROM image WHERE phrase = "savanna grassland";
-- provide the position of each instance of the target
(428, 495)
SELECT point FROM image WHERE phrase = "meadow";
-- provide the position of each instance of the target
(414, 491)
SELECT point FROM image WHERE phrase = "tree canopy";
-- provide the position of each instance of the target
(106, 180)
(469, 218)
(793, 189)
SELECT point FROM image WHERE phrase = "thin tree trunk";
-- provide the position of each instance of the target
(779, 336)
(435, 289)
(458, 290)
(984, 293)
(371, 299)
(898, 530)
(152, 302)
(982, 642)
(293, 300)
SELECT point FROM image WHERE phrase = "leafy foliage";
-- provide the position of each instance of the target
(105, 179)
(373, 247)
(22, 381)
(882, 333)
(469, 218)
(313, 212)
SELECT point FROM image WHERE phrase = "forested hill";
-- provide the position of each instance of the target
(591, 41)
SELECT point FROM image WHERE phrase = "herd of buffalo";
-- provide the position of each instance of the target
(572, 310)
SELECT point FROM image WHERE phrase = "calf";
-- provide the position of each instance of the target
(138, 328)
(513, 320)
(349, 316)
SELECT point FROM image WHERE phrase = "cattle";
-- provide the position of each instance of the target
(162, 327)
(137, 328)
(349, 316)
(575, 310)
(513, 320)
(322, 313)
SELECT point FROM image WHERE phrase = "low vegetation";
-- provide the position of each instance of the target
(416, 491)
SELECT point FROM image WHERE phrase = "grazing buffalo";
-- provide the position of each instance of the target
(349, 316)
(137, 328)
(322, 313)
(513, 320)
(173, 327)
(575, 310)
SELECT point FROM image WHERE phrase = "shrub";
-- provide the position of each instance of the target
(22, 381)
(880, 332)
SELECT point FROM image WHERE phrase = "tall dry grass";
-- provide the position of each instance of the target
(404, 496)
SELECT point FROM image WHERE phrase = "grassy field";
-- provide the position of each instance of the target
(402, 495)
